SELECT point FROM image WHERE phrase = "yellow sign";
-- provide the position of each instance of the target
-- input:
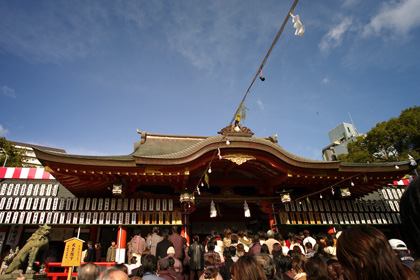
(72, 252)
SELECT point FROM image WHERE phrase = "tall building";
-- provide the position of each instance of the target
(340, 136)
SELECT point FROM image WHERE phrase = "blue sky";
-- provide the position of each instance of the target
(85, 75)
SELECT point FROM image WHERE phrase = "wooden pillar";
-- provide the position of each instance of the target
(121, 244)
(93, 234)
(267, 207)
(185, 229)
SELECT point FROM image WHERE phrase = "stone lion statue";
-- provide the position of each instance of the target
(35, 249)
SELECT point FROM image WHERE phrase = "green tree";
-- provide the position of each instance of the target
(388, 141)
(15, 157)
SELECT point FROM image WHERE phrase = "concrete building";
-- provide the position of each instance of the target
(340, 136)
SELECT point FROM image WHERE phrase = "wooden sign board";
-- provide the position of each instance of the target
(72, 252)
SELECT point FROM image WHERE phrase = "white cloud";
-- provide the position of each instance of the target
(334, 37)
(260, 105)
(399, 18)
(5, 90)
(3, 131)
(326, 80)
(349, 3)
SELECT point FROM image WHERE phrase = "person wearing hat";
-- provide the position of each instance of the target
(162, 246)
(170, 253)
(163, 271)
(401, 251)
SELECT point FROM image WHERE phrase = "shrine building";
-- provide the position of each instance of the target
(202, 184)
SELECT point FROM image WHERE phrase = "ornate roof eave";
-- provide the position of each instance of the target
(109, 161)
(209, 145)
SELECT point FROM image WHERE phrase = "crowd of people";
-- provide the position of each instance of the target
(358, 252)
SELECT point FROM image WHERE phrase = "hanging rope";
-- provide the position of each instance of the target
(265, 58)
(241, 105)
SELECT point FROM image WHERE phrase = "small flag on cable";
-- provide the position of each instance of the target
(300, 28)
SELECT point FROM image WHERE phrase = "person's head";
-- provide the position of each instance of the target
(113, 243)
(227, 233)
(233, 239)
(298, 263)
(320, 238)
(283, 263)
(265, 249)
(171, 262)
(297, 249)
(316, 269)
(163, 264)
(262, 235)
(232, 250)
(240, 249)
(329, 241)
(155, 230)
(398, 246)
(247, 267)
(165, 233)
(277, 249)
(209, 262)
(306, 233)
(133, 260)
(410, 216)
(170, 251)
(308, 246)
(211, 245)
(210, 273)
(364, 253)
(175, 229)
(196, 238)
(256, 238)
(267, 264)
(149, 263)
(122, 267)
(227, 254)
(270, 234)
(113, 273)
(88, 271)
(98, 245)
(90, 243)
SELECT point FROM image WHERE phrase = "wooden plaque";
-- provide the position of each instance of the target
(114, 218)
(82, 218)
(16, 190)
(42, 190)
(167, 218)
(160, 217)
(74, 204)
(327, 206)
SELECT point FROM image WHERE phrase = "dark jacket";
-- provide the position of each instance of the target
(196, 252)
(97, 255)
(162, 248)
(90, 255)
(225, 269)
(255, 249)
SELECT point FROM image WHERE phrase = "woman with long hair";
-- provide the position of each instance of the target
(316, 269)
(248, 268)
(371, 257)
(298, 267)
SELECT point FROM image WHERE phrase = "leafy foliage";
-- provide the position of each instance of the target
(15, 157)
(388, 141)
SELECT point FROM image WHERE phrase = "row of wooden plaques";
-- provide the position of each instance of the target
(343, 206)
(91, 218)
(318, 218)
(85, 204)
